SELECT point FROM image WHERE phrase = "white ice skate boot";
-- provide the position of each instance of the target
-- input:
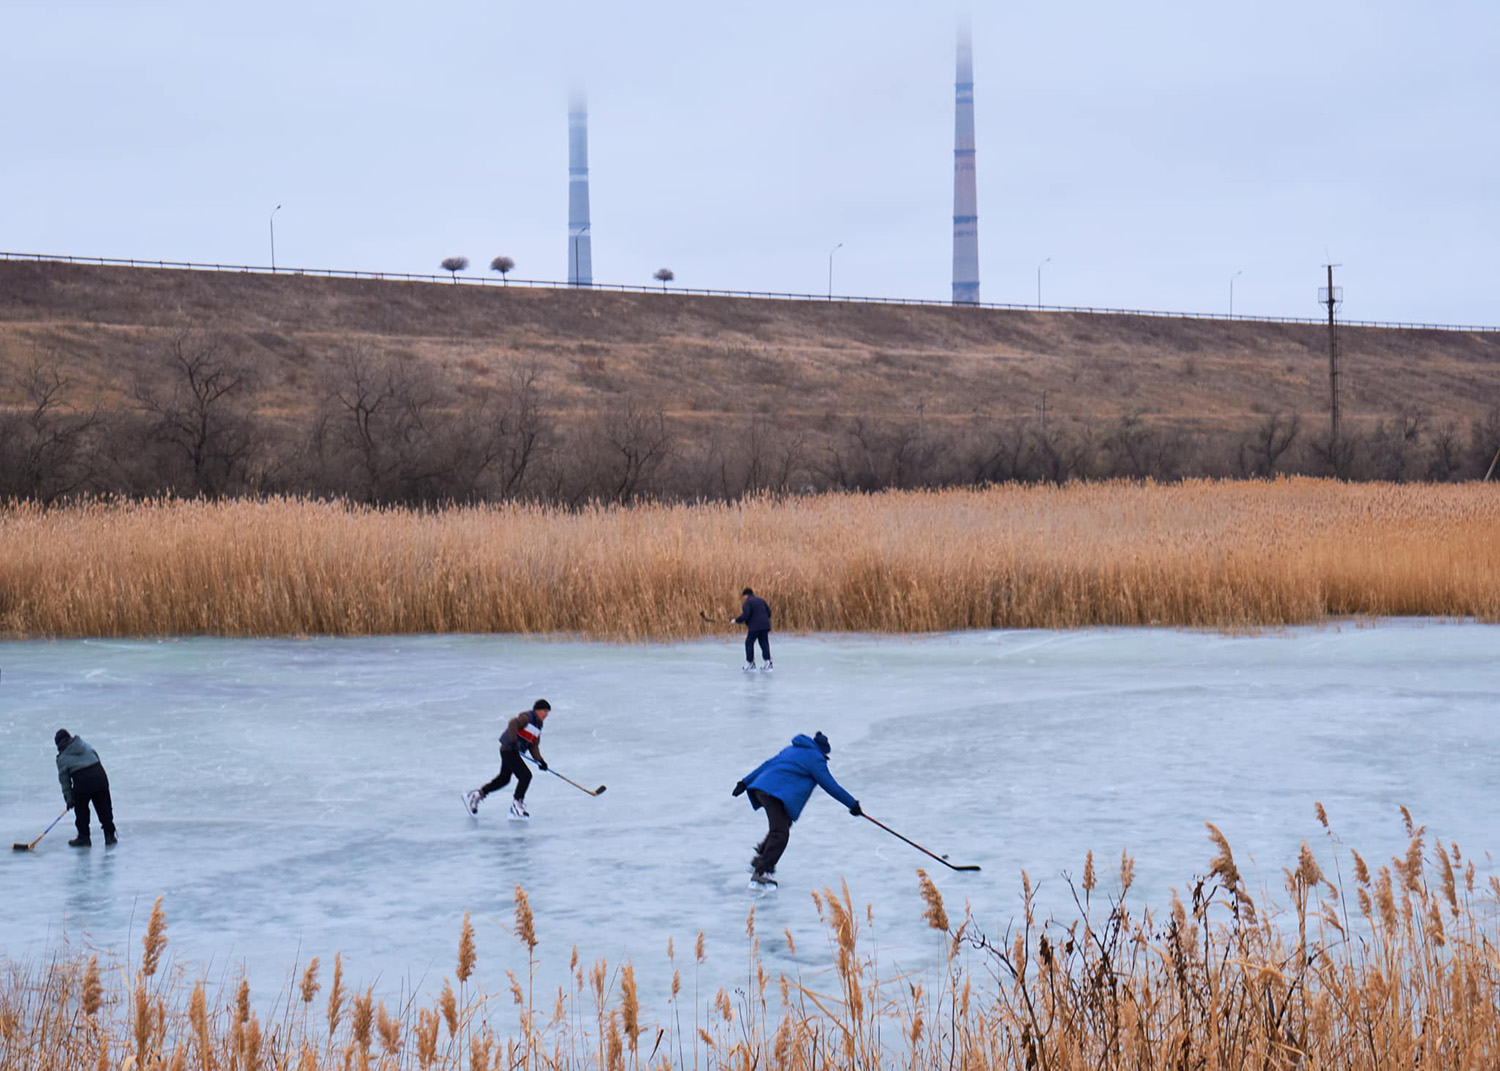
(767, 667)
(749, 667)
(471, 801)
(518, 811)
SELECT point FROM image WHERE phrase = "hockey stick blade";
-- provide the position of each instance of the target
(20, 847)
(710, 620)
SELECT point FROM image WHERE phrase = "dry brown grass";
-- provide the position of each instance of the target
(691, 353)
(1217, 555)
(1401, 975)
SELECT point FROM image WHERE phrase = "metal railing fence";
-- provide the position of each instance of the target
(766, 295)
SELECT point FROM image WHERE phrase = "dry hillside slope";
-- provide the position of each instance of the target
(705, 358)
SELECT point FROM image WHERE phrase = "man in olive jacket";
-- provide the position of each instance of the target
(83, 782)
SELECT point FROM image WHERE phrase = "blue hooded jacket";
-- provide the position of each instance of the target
(791, 775)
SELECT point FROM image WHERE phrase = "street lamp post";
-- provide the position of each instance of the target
(1039, 281)
(575, 251)
(1232, 278)
(831, 252)
(273, 238)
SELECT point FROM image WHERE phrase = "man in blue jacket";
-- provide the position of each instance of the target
(755, 615)
(781, 786)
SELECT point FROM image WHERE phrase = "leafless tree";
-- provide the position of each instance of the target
(454, 265)
(664, 276)
(1446, 457)
(1262, 450)
(1394, 446)
(44, 445)
(637, 444)
(496, 440)
(202, 414)
(1061, 453)
(383, 413)
(503, 265)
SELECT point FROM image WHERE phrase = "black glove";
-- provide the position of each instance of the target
(739, 789)
(855, 811)
(541, 764)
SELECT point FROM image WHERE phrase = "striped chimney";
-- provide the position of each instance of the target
(965, 199)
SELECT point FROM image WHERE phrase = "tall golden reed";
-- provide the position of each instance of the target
(1222, 982)
(1211, 554)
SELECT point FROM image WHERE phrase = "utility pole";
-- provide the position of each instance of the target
(1332, 296)
(1044, 414)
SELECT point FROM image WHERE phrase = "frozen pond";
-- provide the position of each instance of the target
(300, 797)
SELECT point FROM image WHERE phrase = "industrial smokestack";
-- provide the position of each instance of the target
(965, 199)
(580, 260)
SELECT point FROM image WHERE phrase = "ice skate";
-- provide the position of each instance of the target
(762, 882)
(110, 840)
(471, 801)
(749, 667)
(518, 811)
(80, 842)
(767, 667)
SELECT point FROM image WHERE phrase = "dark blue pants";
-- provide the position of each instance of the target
(91, 785)
(763, 635)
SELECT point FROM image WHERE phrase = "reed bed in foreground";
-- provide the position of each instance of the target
(1402, 974)
(1207, 554)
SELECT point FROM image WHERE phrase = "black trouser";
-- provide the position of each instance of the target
(778, 832)
(91, 785)
(511, 765)
(764, 636)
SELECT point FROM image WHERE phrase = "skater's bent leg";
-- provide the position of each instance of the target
(515, 765)
(750, 648)
(500, 780)
(764, 635)
(106, 808)
(778, 833)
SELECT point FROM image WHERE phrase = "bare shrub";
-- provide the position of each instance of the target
(202, 414)
(454, 265)
(46, 445)
(1261, 452)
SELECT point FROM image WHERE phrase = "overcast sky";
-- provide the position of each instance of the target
(1151, 149)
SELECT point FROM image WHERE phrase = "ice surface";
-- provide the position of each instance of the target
(300, 797)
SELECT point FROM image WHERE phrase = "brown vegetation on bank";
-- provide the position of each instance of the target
(1205, 554)
(144, 382)
(1349, 967)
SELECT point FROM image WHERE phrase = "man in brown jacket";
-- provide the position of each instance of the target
(522, 733)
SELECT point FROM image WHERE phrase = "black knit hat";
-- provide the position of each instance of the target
(541, 704)
(823, 745)
(747, 591)
(62, 739)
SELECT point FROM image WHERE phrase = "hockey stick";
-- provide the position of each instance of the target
(940, 858)
(591, 791)
(32, 846)
(710, 620)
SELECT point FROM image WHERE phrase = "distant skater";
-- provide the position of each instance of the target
(83, 782)
(755, 615)
(781, 786)
(523, 733)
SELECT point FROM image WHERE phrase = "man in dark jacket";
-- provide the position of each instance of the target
(522, 733)
(83, 782)
(781, 786)
(755, 615)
